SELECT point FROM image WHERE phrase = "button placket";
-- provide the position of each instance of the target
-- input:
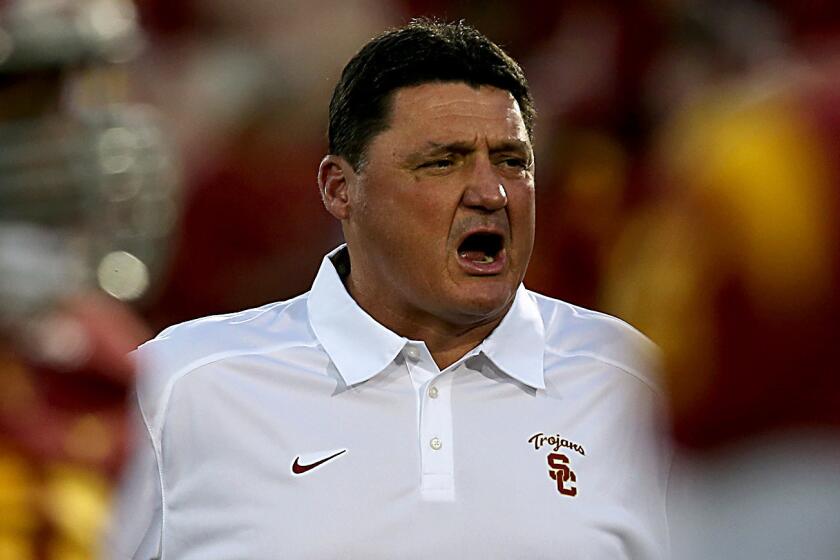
(434, 421)
(436, 439)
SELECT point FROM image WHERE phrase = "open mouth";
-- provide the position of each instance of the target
(482, 248)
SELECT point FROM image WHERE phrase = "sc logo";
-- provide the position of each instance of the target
(559, 471)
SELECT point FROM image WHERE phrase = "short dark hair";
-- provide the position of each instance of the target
(421, 52)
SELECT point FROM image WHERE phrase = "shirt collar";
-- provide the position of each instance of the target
(357, 345)
(515, 346)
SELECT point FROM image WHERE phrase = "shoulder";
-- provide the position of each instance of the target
(203, 340)
(186, 347)
(573, 331)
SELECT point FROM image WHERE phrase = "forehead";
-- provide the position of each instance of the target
(455, 111)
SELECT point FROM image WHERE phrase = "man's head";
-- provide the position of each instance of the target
(431, 174)
(421, 52)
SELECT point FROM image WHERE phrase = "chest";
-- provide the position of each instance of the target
(457, 467)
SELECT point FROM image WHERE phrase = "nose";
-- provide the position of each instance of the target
(484, 189)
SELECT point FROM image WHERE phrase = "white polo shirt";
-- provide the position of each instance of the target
(305, 429)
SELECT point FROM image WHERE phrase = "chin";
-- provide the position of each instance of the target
(485, 301)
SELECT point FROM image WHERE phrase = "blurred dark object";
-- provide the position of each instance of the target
(735, 270)
(65, 385)
(88, 197)
(87, 186)
(245, 87)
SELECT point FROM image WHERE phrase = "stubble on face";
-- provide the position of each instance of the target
(455, 160)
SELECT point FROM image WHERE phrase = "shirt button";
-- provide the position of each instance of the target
(433, 392)
(435, 443)
(412, 353)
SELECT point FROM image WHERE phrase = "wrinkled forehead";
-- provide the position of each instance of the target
(439, 111)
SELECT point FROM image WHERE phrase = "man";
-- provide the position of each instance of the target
(418, 402)
(747, 210)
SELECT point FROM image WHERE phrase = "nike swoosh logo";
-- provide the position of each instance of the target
(297, 468)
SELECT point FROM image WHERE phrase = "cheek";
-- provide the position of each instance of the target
(427, 208)
(410, 218)
(521, 208)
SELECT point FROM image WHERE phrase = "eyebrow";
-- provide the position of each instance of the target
(464, 147)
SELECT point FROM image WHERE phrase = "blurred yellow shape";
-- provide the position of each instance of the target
(15, 546)
(744, 203)
(17, 494)
(89, 439)
(661, 270)
(76, 501)
(18, 394)
(759, 170)
(60, 548)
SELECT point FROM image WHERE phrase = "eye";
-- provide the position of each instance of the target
(514, 162)
(442, 163)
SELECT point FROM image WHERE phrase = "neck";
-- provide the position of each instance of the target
(448, 345)
(447, 342)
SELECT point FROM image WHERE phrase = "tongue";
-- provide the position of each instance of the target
(473, 255)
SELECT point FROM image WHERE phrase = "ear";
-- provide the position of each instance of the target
(335, 177)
